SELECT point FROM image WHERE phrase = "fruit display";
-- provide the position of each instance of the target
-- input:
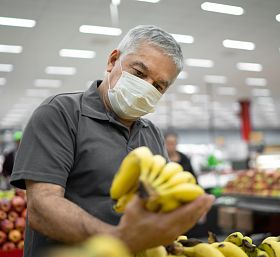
(163, 186)
(12, 220)
(255, 183)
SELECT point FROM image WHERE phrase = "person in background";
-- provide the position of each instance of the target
(174, 155)
(9, 156)
(75, 142)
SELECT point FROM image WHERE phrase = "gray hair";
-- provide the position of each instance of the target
(154, 36)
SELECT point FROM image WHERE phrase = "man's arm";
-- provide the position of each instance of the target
(58, 218)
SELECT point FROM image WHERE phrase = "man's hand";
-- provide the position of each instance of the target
(141, 229)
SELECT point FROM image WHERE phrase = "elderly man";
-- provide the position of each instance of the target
(75, 142)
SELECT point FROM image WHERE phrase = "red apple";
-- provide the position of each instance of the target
(18, 203)
(8, 246)
(3, 237)
(12, 216)
(15, 235)
(7, 225)
(20, 224)
(5, 205)
(23, 214)
(3, 215)
(20, 244)
(20, 192)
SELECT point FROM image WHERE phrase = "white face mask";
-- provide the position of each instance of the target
(133, 97)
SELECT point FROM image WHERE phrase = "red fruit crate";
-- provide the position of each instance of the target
(13, 253)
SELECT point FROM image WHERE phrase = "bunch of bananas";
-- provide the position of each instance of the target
(164, 186)
(235, 245)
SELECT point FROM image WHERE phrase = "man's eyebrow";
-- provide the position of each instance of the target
(146, 69)
(141, 65)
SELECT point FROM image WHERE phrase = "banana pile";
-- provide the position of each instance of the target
(164, 186)
(235, 245)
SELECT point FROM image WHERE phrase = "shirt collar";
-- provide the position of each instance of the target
(92, 105)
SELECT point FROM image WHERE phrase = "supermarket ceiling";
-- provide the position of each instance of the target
(200, 96)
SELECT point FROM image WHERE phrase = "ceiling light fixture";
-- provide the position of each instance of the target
(149, 1)
(60, 70)
(277, 17)
(187, 39)
(7, 21)
(204, 63)
(228, 43)
(182, 75)
(260, 92)
(261, 82)
(249, 66)
(10, 49)
(215, 79)
(74, 53)
(2, 81)
(6, 67)
(110, 31)
(226, 91)
(222, 8)
(188, 89)
(48, 83)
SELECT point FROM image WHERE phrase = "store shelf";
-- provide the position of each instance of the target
(267, 205)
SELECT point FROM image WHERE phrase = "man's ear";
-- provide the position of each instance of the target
(113, 57)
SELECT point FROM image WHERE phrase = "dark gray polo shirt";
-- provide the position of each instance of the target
(72, 141)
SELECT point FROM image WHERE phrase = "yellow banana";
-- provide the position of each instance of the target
(182, 237)
(168, 204)
(272, 248)
(128, 174)
(235, 238)
(157, 165)
(271, 238)
(123, 201)
(178, 178)
(158, 251)
(248, 239)
(146, 161)
(229, 249)
(184, 192)
(202, 250)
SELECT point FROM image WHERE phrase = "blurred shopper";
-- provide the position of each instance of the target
(171, 141)
(9, 156)
(75, 142)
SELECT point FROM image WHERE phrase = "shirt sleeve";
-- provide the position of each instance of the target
(46, 151)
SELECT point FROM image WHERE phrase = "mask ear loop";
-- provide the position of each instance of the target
(109, 74)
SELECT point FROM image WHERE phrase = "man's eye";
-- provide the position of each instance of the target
(158, 87)
(139, 74)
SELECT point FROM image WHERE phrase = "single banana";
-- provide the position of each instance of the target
(184, 193)
(158, 251)
(229, 249)
(260, 253)
(128, 174)
(182, 237)
(235, 238)
(168, 204)
(157, 165)
(123, 201)
(272, 248)
(180, 177)
(169, 170)
(202, 250)
(271, 238)
(146, 161)
(248, 239)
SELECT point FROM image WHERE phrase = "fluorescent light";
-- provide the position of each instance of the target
(38, 92)
(100, 30)
(10, 49)
(182, 75)
(188, 89)
(6, 67)
(60, 70)
(200, 98)
(116, 2)
(50, 83)
(260, 92)
(222, 8)
(226, 91)
(17, 22)
(278, 17)
(238, 44)
(77, 53)
(183, 38)
(205, 63)
(249, 66)
(2, 81)
(149, 1)
(215, 79)
(256, 82)
(265, 100)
